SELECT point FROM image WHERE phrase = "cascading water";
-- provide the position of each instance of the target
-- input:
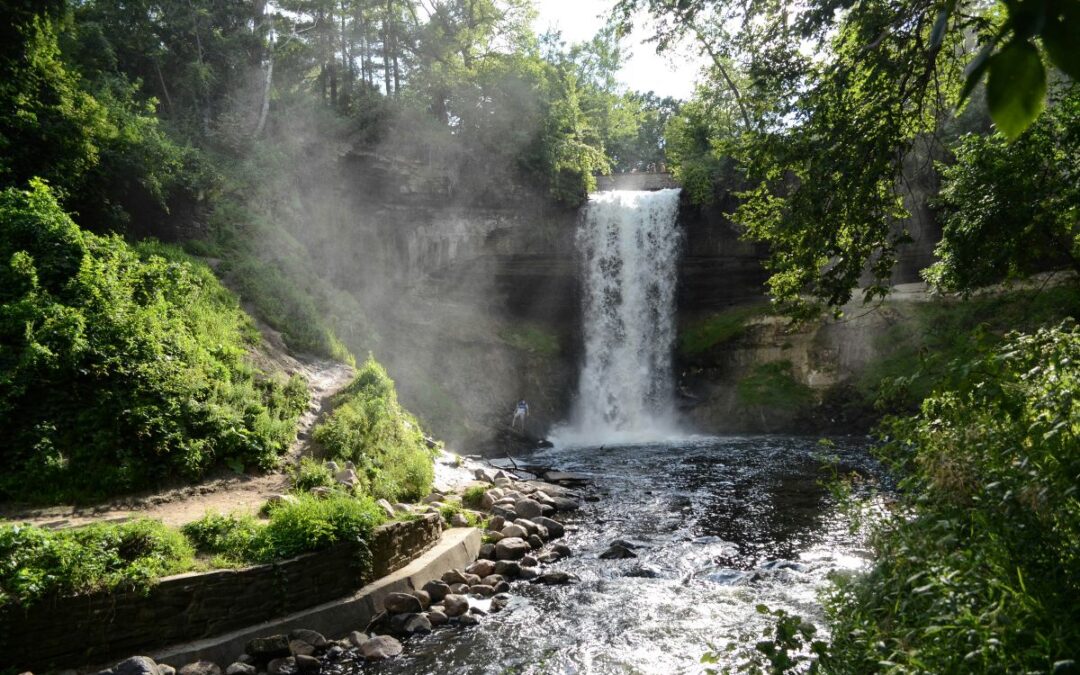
(630, 246)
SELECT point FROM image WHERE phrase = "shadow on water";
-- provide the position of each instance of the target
(720, 524)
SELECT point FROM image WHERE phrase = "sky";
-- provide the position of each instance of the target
(644, 70)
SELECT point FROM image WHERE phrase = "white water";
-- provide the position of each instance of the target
(630, 245)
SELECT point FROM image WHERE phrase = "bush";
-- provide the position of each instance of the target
(36, 563)
(230, 537)
(122, 366)
(472, 496)
(311, 473)
(979, 570)
(313, 524)
(369, 427)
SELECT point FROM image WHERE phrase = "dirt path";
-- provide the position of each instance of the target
(225, 492)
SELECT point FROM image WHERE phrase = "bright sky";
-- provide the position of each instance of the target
(644, 70)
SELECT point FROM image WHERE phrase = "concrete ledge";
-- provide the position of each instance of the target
(457, 548)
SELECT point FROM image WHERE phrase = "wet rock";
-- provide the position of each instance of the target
(455, 605)
(266, 648)
(529, 573)
(554, 578)
(472, 579)
(565, 504)
(424, 598)
(282, 666)
(437, 590)
(313, 638)
(508, 568)
(477, 611)
(241, 669)
(511, 548)
(482, 590)
(307, 664)
(565, 478)
(417, 624)
(380, 648)
(514, 530)
(502, 586)
(555, 528)
(492, 579)
(468, 620)
(459, 589)
(496, 524)
(549, 557)
(136, 665)
(528, 508)
(487, 551)
(402, 603)
(529, 561)
(437, 618)
(617, 552)
(535, 541)
(562, 549)
(481, 568)
(500, 601)
(529, 526)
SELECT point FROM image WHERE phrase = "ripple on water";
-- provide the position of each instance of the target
(719, 525)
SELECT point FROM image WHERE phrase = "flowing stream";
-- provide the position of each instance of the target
(723, 525)
(630, 247)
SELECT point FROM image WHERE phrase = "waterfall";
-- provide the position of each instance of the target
(630, 247)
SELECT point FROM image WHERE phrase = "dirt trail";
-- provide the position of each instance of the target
(224, 492)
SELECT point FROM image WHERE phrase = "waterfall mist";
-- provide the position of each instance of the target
(630, 247)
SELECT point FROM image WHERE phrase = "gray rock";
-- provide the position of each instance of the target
(481, 568)
(514, 530)
(562, 549)
(437, 590)
(163, 668)
(380, 648)
(307, 664)
(424, 597)
(301, 648)
(565, 504)
(502, 586)
(468, 620)
(528, 573)
(356, 638)
(417, 624)
(402, 603)
(282, 666)
(311, 637)
(402, 508)
(387, 508)
(433, 498)
(511, 548)
(487, 500)
(266, 648)
(136, 665)
(554, 578)
(482, 590)
(617, 552)
(437, 618)
(496, 524)
(528, 508)
(529, 561)
(459, 520)
(455, 605)
(495, 537)
(535, 541)
(487, 551)
(347, 477)
(459, 589)
(321, 491)
(492, 579)
(281, 499)
(483, 475)
(507, 514)
(471, 578)
(500, 601)
(332, 466)
(454, 577)
(503, 482)
(508, 568)
(241, 669)
(555, 528)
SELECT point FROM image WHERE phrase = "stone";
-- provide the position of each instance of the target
(301, 648)
(321, 491)
(468, 620)
(424, 597)
(241, 669)
(433, 498)
(437, 618)
(332, 466)
(495, 537)
(335, 652)
(454, 577)
(266, 648)
(402, 603)
(528, 508)
(483, 475)
(535, 541)
(514, 530)
(554, 578)
(617, 552)
(136, 665)
(417, 624)
(507, 514)
(502, 586)
(471, 578)
(548, 509)
(313, 638)
(163, 668)
(282, 666)
(347, 477)
(488, 499)
(455, 605)
(380, 648)
(492, 579)
(565, 504)
(387, 508)
(459, 520)
(482, 590)
(529, 573)
(402, 508)
(356, 638)
(282, 499)
(529, 526)
(549, 557)
(555, 528)
(562, 549)
(499, 602)
(437, 590)
(529, 561)
(503, 482)
(308, 664)
(508, 568)
(511, 548)
(459, 589)
(487, 552)
(481, 568)
(496, 524)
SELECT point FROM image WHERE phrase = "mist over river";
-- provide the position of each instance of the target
(720, 525)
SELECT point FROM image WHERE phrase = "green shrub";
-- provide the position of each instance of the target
(312, 524)
(312, 473)
(979, 568)
(369, 427)
(36, 563)
(229, 536)
(472, 496)
(122, 366)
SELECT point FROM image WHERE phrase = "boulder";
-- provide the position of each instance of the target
(163, 668)
(514, 530)
(555, 528)
(387, 508)
(241, 669)
(507, 514)
(554, 578)
(617, 551)
(347, 477)
(468, 620)
(565, 504)
(495, 537)
(459, 589)
(481, 568)
(402, 603)
(487, 551)
(482, 590)
(455, 605)
(281, 499)
(380, 648)
(282, 666)
(496, 524)
(454, 576)
(499, 602)
(136, 665)
(528, 573)
(535, 541)
(502, 587)
(436, 590)
(492, 579)
(488, 499)
(528, 508)
(356, 638)
(471, 578)
(321, 491)
(307, 664)
(511, 548)
(301, 648)
(433, 498)
(529, 561)
(483, 475)
(562, 549)
(437, 618)
(266, 648)
(459, 520)
(416, 624)
(424, 598)
(529, 526)
(508, 568)
(313, 638)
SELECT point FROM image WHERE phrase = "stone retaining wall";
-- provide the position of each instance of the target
(68, 632)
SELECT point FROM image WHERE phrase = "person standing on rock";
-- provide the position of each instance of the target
(520, 413)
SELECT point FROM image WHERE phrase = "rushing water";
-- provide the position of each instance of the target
(724, 524)
(630, 246)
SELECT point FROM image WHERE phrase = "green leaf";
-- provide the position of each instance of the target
(1016, 87)
(1061, 36)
